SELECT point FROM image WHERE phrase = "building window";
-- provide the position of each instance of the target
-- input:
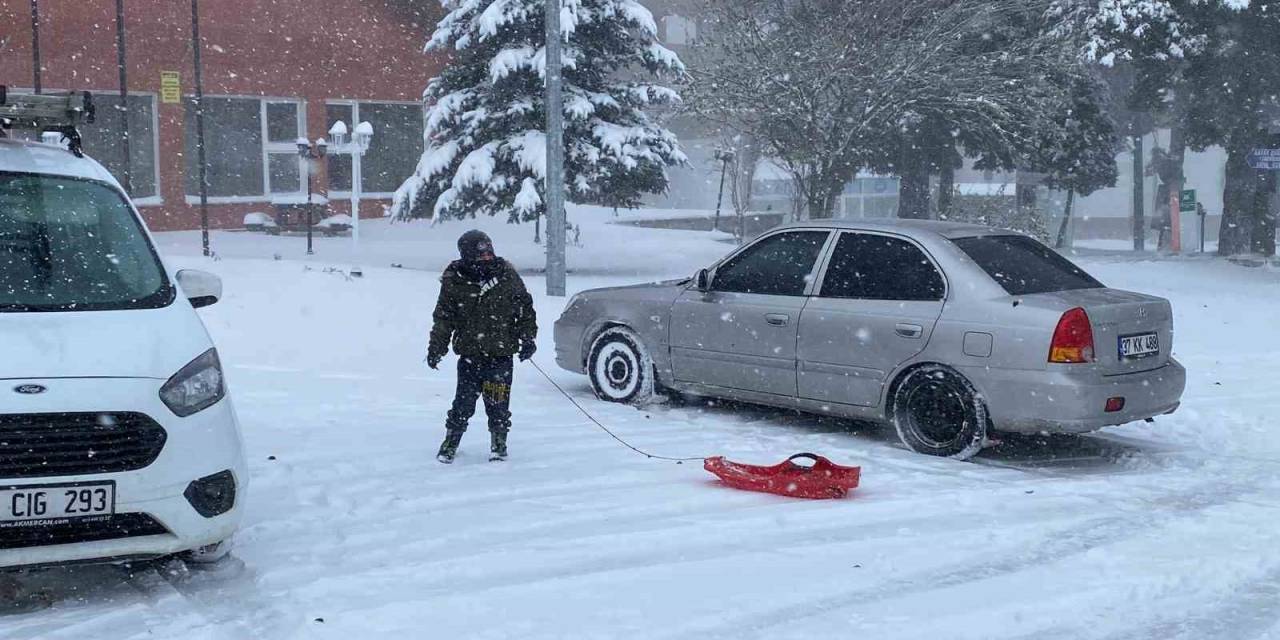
(102, 141)
(284, 166)
(339, 164)
(394, 153)
(250, 147)
(233, 131)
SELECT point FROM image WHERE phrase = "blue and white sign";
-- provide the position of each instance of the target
(1265, 159)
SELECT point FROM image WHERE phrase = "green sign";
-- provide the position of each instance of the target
(1188, 200)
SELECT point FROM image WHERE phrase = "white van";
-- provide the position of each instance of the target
(117, 439)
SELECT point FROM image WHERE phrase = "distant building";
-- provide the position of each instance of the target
(1104, 214)
(274, 71)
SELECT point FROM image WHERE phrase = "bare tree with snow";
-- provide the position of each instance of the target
(832, 87)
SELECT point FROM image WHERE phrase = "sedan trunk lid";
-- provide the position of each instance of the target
(1115, 315)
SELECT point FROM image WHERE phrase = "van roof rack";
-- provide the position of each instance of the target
(44, 113)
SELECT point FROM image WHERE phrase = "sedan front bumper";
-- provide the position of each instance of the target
(568, 337)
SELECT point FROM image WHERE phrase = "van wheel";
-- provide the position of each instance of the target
(936, 411)
(620, 368)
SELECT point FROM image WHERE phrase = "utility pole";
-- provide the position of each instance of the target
(199, 77)
(555, 156)
(35, 45)
(1139, 219)
(126, 173)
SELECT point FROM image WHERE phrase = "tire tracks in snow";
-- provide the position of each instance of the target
(637, 550)
(1248, 609)
(195, 593)
(1058, 547)
(581, 563)
(1251, 612)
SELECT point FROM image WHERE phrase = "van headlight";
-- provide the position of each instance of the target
(195, 387)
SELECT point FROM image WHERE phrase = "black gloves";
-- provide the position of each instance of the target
(433, 360)
(527, 349)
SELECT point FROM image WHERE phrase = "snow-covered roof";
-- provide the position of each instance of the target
(35, 157)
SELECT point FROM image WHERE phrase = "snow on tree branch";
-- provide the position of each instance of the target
(485, 142)
(1114, 30)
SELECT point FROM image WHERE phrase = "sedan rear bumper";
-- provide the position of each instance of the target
(1061, 401)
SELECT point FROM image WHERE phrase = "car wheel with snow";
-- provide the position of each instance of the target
(620, 367)
(936, 411)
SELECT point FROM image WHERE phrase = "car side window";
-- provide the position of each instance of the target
(779, 265)
(874, 267)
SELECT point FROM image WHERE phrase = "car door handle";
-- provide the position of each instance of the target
(777, 319)
(913, 331)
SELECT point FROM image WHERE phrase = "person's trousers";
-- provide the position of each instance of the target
(489, 378)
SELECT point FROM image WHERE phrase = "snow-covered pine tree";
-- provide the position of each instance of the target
(1136, 29)
(485, 130)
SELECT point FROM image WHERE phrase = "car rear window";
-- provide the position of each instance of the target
(1023, 266)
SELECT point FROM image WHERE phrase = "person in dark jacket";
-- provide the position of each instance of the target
(487, 313)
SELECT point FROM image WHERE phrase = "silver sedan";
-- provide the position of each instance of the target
(946, 331)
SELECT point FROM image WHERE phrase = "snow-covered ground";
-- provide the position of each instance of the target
(1164, 530)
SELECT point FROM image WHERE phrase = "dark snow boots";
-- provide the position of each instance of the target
(449, 448)
(497, 446)
(490, 379)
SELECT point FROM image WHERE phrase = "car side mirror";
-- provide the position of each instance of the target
(702, 280)
(201, 287)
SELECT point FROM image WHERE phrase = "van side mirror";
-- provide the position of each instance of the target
(702, 280)
(201, 287)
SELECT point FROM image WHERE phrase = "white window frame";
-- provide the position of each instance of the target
(267, 148)
(354, 103)
(148, 201)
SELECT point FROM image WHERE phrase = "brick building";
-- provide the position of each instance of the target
(274, 70)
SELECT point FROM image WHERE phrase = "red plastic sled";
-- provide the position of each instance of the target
(824, 479)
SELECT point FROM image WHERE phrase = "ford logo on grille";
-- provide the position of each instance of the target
(30, 389)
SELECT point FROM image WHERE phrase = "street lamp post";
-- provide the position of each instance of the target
(356, 147)
(310, 155)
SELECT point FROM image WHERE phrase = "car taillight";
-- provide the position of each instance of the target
(1072, 339)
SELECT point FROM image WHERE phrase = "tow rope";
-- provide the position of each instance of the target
(822, 480)
(613, 435)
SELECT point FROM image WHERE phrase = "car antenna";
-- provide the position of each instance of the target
(61, 113)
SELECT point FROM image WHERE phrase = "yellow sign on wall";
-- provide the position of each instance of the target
(170, 87)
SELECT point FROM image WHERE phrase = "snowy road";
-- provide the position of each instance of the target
(1166, 530)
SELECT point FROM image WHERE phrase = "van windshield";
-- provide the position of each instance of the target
(73, 245)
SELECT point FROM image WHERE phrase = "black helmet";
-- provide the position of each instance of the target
(474, 245)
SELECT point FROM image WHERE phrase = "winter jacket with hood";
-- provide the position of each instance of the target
(484, 309)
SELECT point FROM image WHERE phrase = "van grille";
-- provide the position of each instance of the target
(40, 445)
(123, 525)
